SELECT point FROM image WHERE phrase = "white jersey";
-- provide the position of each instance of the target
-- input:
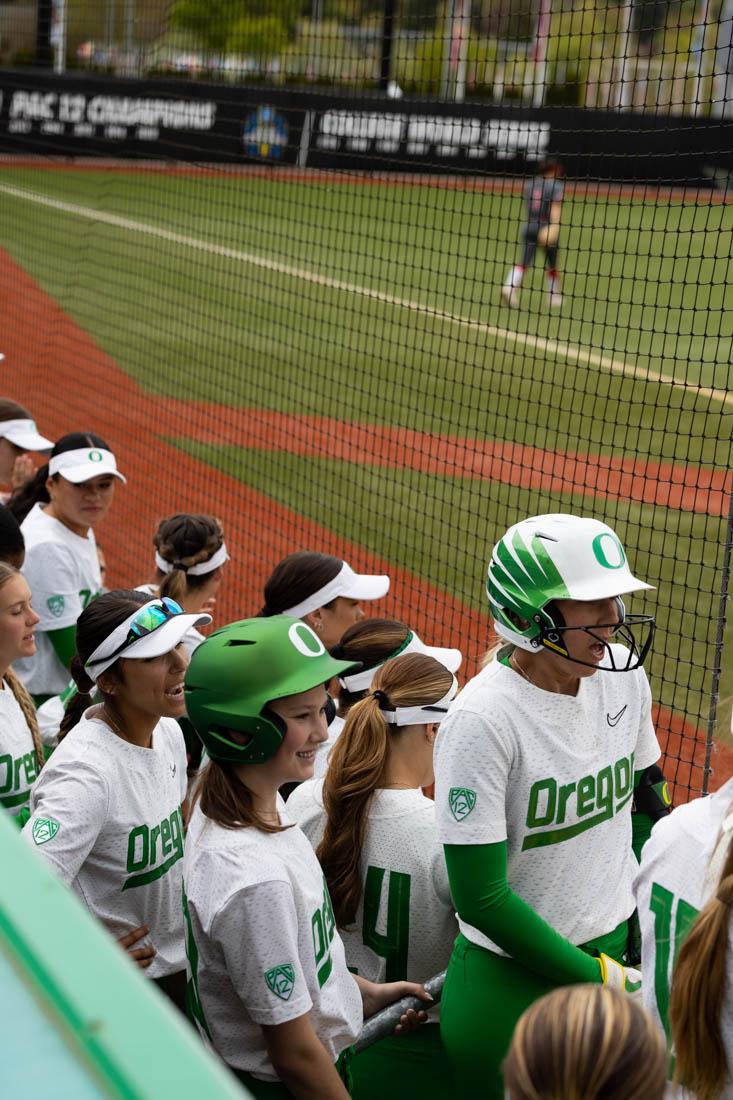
(320, 764)
(62, 570)
(553, 776)
(405, 924)
(672, 886)
(18, 760)
(263, 947)
(106, 816)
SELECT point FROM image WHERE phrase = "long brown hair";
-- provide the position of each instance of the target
(584, 1042)
(696, 997)
(225, 799)
(185, 540)
(22, 698)
(357, 766)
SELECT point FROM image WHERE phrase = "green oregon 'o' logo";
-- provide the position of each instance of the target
(461, 801)
(608, 550)
(305, 640)
(95, 456)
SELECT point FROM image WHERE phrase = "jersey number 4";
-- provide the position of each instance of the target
(391, 945)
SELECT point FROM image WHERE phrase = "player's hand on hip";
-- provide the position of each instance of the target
(616, 976)
(144, 955)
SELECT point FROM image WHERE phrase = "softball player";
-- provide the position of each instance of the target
(61, 563)
(323, 591)
(21, 751)
(684, 893)
(269, 984)
(369, 643)
(537, 765)
(18, 436)
(106, 811)
(190, 554)
(543, 197)
(375, 835)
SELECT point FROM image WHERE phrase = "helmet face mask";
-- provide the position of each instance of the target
(623, 632)
(561, 557)
(239, 670)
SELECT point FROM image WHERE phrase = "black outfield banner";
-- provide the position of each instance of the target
(48, 115)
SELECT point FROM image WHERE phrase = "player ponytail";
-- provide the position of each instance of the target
(698, 989)
(34, 491)
(182, 542)
(585, 1042)
(22, 698)
(358, 765)
(96, 622)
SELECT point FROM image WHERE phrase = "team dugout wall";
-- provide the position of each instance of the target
(88, 116)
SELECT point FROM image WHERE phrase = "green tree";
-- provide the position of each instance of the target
(261, 36)
(211, 21)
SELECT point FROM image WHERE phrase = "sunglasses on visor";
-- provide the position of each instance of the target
(147, 620)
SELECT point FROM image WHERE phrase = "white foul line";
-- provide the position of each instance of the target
(555, 348)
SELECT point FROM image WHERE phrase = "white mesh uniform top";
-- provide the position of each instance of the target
(262, 942)
(106, 816)
(405, 925)
(62, 570)
(553, 776)
(18, 760)
(671, 887)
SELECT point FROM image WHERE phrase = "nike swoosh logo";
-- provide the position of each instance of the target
(614, 721)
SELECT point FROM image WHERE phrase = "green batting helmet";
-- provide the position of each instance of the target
(548, 558)
(238, 670)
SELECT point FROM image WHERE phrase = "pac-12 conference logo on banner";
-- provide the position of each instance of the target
(265, 134)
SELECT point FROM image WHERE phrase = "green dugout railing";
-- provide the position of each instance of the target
(78, 1020)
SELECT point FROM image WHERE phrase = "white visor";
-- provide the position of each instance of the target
(159, 641)
(84, 464)
(362, 680)
(217, 559)
(424, 715)
(23, 433)
(355, 586)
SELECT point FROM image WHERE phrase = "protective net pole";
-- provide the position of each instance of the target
(719, 648)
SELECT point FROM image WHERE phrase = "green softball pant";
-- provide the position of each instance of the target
(402, 1066)
(483, 997)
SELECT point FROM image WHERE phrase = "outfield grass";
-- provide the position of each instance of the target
(647, 285)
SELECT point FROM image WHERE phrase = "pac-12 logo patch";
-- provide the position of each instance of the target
(44, 828)
(461, 800)
(55, 605)
(281, 980)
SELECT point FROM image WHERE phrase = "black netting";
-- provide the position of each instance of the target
(289, 260)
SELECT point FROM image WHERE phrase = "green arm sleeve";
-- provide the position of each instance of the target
(64, 643)
(478, 880)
